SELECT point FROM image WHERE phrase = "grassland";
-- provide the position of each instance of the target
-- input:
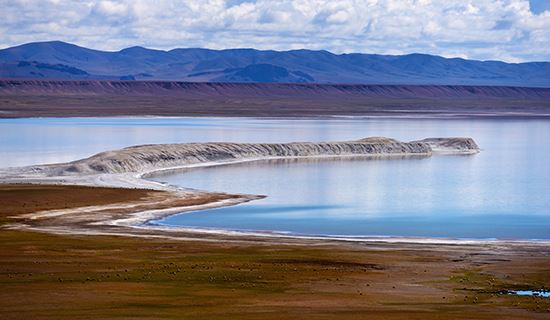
(48, 276)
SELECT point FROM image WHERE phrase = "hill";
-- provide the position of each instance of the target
(66, 98)
(60, 60)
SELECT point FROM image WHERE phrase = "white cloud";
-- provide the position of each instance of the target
(111, 8)
(480, 29)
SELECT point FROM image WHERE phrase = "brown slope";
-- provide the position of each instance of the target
(21, 98)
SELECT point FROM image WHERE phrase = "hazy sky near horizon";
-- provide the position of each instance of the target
(509, 30)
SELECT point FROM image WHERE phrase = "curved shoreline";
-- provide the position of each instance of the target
(137, 222)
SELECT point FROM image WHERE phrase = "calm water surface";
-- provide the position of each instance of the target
(503, 192)
(536, 293)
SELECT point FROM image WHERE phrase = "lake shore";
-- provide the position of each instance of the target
(216, 277)
(126, 168)
(94, 249)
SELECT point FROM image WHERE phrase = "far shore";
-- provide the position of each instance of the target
(20, 98)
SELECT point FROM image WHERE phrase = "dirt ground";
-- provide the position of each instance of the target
(102, 105)
(47, 276)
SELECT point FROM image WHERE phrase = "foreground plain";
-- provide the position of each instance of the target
(46, 276)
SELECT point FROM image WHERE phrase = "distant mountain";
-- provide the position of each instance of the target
(261, 72)
(60, 60)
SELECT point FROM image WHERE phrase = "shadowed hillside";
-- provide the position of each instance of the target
(21, 98)
(60, 60)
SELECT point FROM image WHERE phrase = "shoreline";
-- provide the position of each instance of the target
(397, 114)
(150, 225)
(190, 275)
(194, 274)
(139, 222)
(343, 238)
(57, 98)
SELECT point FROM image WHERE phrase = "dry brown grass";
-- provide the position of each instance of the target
(45, 276)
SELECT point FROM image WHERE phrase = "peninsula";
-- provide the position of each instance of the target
(126, 168)
(102, 205)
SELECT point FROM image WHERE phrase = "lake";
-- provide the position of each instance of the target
(502, 192)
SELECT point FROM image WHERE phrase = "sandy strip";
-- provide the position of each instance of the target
(134, 219)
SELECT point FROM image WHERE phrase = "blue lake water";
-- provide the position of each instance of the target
(535, 293)
(502, 192)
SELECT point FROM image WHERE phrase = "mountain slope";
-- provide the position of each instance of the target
(249, 65)
(70, 98)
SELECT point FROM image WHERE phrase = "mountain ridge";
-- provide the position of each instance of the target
(251, 65)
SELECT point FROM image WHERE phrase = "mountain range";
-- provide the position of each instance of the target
(61, 60)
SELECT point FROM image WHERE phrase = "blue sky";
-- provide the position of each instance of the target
(509, 30)
(539, 6)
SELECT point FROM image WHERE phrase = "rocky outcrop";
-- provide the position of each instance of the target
(451, 145)
(147, 158)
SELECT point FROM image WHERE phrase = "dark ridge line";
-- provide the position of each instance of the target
(260, 84)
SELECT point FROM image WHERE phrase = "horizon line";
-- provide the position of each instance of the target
(267, 50)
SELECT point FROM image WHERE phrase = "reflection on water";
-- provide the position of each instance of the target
(535, 293)
(438, 197)
(46, 140)
(49, 140)
(500, 193)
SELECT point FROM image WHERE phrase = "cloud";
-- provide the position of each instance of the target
(511, 30)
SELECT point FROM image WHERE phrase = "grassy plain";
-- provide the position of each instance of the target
(48, 276)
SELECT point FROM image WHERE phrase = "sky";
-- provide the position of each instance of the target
(508, 30)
